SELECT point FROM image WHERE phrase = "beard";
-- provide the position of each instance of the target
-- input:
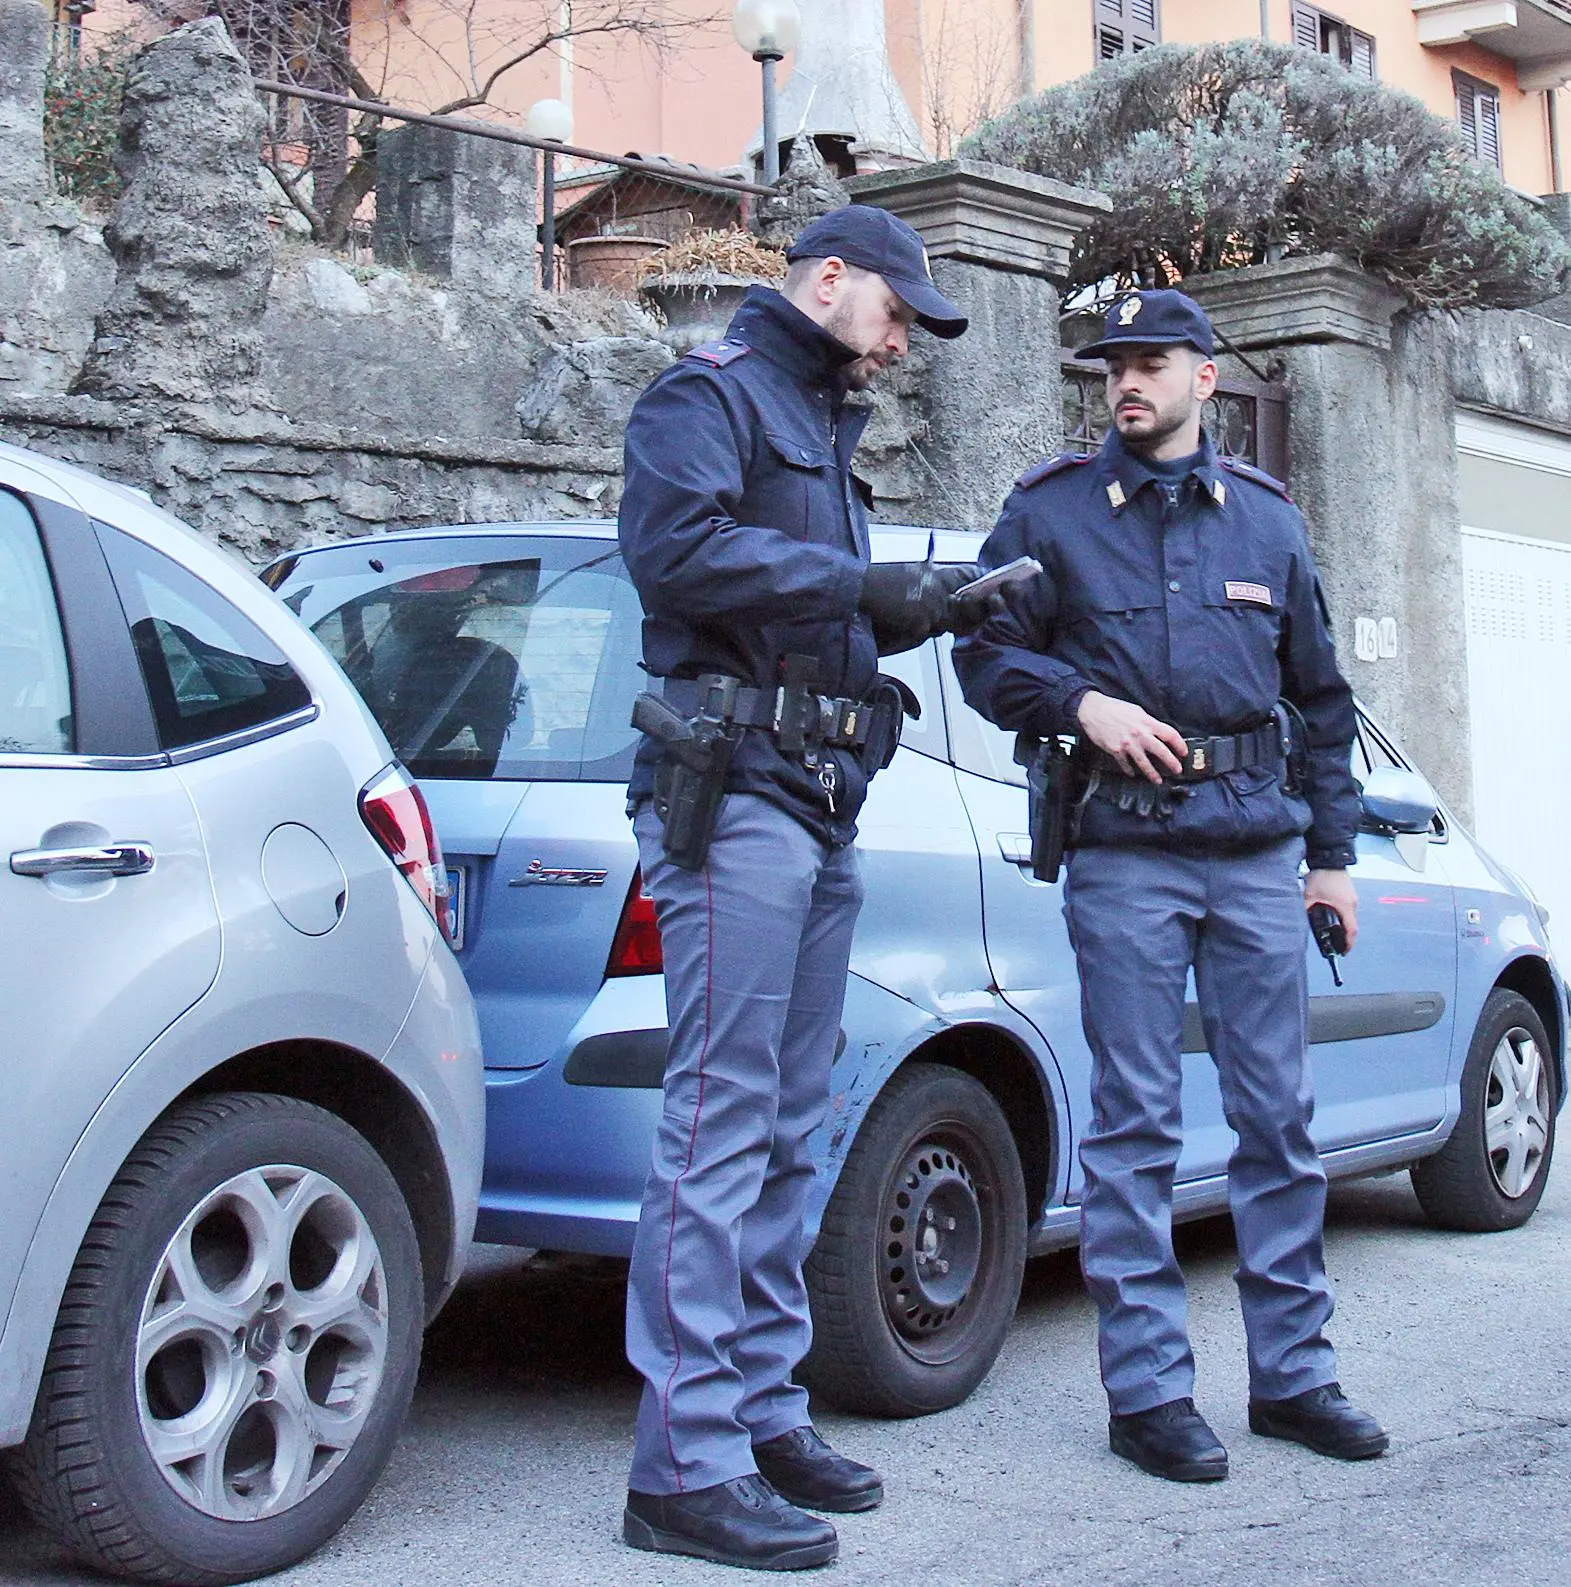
(1144, 428)
(866, 367)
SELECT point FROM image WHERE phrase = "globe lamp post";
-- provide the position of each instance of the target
(768, 30)
(551, 120)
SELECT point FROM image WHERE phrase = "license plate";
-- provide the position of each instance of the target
(457, 884)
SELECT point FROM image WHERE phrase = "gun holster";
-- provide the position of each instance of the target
(691, 775)
(1050, 775)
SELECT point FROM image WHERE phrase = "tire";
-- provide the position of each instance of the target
(235, 1349)
(901, 1330)
(1509, 1096)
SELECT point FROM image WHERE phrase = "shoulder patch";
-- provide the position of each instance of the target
(718, 354)
(1051, 466)
(1236, 465)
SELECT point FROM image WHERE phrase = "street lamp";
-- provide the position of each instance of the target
(552, 120)
(768, 31)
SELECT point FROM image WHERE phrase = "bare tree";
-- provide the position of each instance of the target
(456, 51)
(971, 68)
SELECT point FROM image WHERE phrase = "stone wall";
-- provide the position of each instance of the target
(261, 485)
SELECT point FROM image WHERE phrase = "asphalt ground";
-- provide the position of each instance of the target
(513, 1464)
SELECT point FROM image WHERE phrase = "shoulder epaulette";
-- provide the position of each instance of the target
(718, 354)
(1236, 465)
(1051, 466)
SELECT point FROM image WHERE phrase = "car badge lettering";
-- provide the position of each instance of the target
(1128, 309)
(1256, 594)
(538, 875)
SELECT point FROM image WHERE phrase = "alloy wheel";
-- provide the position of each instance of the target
(262, 1342)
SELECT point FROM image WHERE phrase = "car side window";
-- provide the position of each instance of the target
(210, 671)
(918, 670)
(35, 680)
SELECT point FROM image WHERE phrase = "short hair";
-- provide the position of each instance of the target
(799, 270)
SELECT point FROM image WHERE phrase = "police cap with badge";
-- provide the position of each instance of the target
(875, 240)
(1154, 319)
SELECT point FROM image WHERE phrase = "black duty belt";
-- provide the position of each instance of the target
(1205, 758)
(796, 717)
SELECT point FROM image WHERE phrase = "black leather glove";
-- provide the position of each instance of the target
(909, 602)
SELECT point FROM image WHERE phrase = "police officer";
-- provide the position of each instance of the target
(1178, 606)
(745, 533)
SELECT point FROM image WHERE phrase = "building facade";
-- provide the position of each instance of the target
(1496, 67)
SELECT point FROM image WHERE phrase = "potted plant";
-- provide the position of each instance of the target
(696, 284)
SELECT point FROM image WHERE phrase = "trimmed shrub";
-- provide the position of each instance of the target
(1232, 154)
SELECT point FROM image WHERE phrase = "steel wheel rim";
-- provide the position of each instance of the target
(261, 1343)
(1517, 1113)
(933, 1247)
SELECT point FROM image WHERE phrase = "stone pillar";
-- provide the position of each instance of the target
(24, 53)
(458, 207)
(189, 235)
(999, 241)
(1371, 433)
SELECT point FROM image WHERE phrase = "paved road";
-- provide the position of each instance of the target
(513, 1465)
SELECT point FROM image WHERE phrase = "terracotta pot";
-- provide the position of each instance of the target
(609, 261)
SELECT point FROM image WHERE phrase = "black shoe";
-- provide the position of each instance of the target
(802, 1467)
(1171, 1441)
(1321, 1420)
(742, 1522)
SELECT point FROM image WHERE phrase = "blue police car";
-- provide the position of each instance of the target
(502, 662)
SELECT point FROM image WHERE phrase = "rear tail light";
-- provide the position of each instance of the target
(393, 807)
(636, 948)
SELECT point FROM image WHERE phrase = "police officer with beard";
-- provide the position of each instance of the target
(746, 536)
(1178, 631)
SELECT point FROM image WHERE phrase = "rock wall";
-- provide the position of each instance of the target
(189, 234)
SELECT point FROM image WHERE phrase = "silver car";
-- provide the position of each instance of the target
(243, 1116)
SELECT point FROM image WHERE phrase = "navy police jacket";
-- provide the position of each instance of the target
(1204, 610)
(746, 537)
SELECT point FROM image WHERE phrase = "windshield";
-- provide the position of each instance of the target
(486, 657)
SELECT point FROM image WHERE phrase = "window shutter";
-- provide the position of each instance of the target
(1124, 26)
(1306, 28)
(1363, 61)
(1466, 117)
(1489, 127)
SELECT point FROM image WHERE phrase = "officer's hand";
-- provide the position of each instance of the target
(966, 616)
(1142, 746)
(1336, 889)
(907, 601)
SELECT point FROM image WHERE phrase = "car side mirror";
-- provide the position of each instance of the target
(1397, 800)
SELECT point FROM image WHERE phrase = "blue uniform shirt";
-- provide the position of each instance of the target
(746, 537)
(1197, 599)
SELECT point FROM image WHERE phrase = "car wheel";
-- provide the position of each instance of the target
(1491, 1173)
(917, 1269)
(235, 1349)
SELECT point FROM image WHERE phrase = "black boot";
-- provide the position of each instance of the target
(742, 1522)
(1170, 1440)
(802, 1467)
(1321, 1420)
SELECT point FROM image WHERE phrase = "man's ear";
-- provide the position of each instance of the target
(831, 276)
(1206, 377)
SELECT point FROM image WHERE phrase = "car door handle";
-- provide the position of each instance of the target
(1015, 847)
(112, 859)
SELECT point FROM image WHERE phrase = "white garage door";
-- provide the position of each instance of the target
(1515, 487)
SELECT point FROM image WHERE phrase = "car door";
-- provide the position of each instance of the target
(106, 905)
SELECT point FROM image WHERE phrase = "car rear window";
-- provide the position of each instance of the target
(484, 658)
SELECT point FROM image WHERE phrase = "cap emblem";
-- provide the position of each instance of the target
(1128, 309)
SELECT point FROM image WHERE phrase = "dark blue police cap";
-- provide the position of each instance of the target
(878, 241)
(1153, 319)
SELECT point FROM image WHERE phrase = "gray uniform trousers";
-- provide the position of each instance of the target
(1138, 919)
(756, 949)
